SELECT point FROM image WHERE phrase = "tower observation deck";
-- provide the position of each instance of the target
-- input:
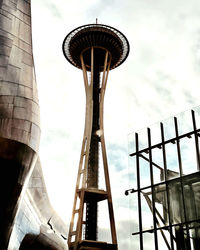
(95, 49)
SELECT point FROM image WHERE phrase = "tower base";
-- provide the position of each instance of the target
(93, 245)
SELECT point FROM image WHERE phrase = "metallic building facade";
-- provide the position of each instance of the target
(166, 163)
(25, 212)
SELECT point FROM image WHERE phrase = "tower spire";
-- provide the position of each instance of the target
(96, 49)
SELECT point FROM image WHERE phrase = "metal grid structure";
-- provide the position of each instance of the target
(94, 48)
(167, 193)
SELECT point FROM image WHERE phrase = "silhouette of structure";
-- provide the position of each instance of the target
(95, 49)
(167, 194)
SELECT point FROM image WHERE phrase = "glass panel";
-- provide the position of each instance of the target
(172, 161)
(157, 159)
(144, 173)
(147, 217)
(184, 122)
(155, 134)
(176, 202)
(188, 155)
(148, 239)
(182, 239)
(169, 131)
(174, 237)
(163, 240)
(161, 205)
(156, 175)
(195, 236)
(197, 116)
(132, 175)
(196, 190)
(143, 139)
(135, 242)
(133, 208)
(131, 143)
(191, 185)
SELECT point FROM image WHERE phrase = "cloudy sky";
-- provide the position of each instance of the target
(160, 78)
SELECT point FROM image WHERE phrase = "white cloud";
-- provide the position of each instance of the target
(160, 78)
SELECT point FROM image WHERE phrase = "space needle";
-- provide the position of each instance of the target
(95, 49)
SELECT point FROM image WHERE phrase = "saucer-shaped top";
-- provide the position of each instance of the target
(100, 37)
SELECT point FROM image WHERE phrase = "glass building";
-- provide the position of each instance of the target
(164, 195)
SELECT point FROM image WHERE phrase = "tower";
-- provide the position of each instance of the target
(96, 49)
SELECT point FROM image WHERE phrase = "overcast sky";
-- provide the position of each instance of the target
(160, 78)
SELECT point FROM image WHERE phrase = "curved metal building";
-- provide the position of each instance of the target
(19, 109)
(20, 134)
